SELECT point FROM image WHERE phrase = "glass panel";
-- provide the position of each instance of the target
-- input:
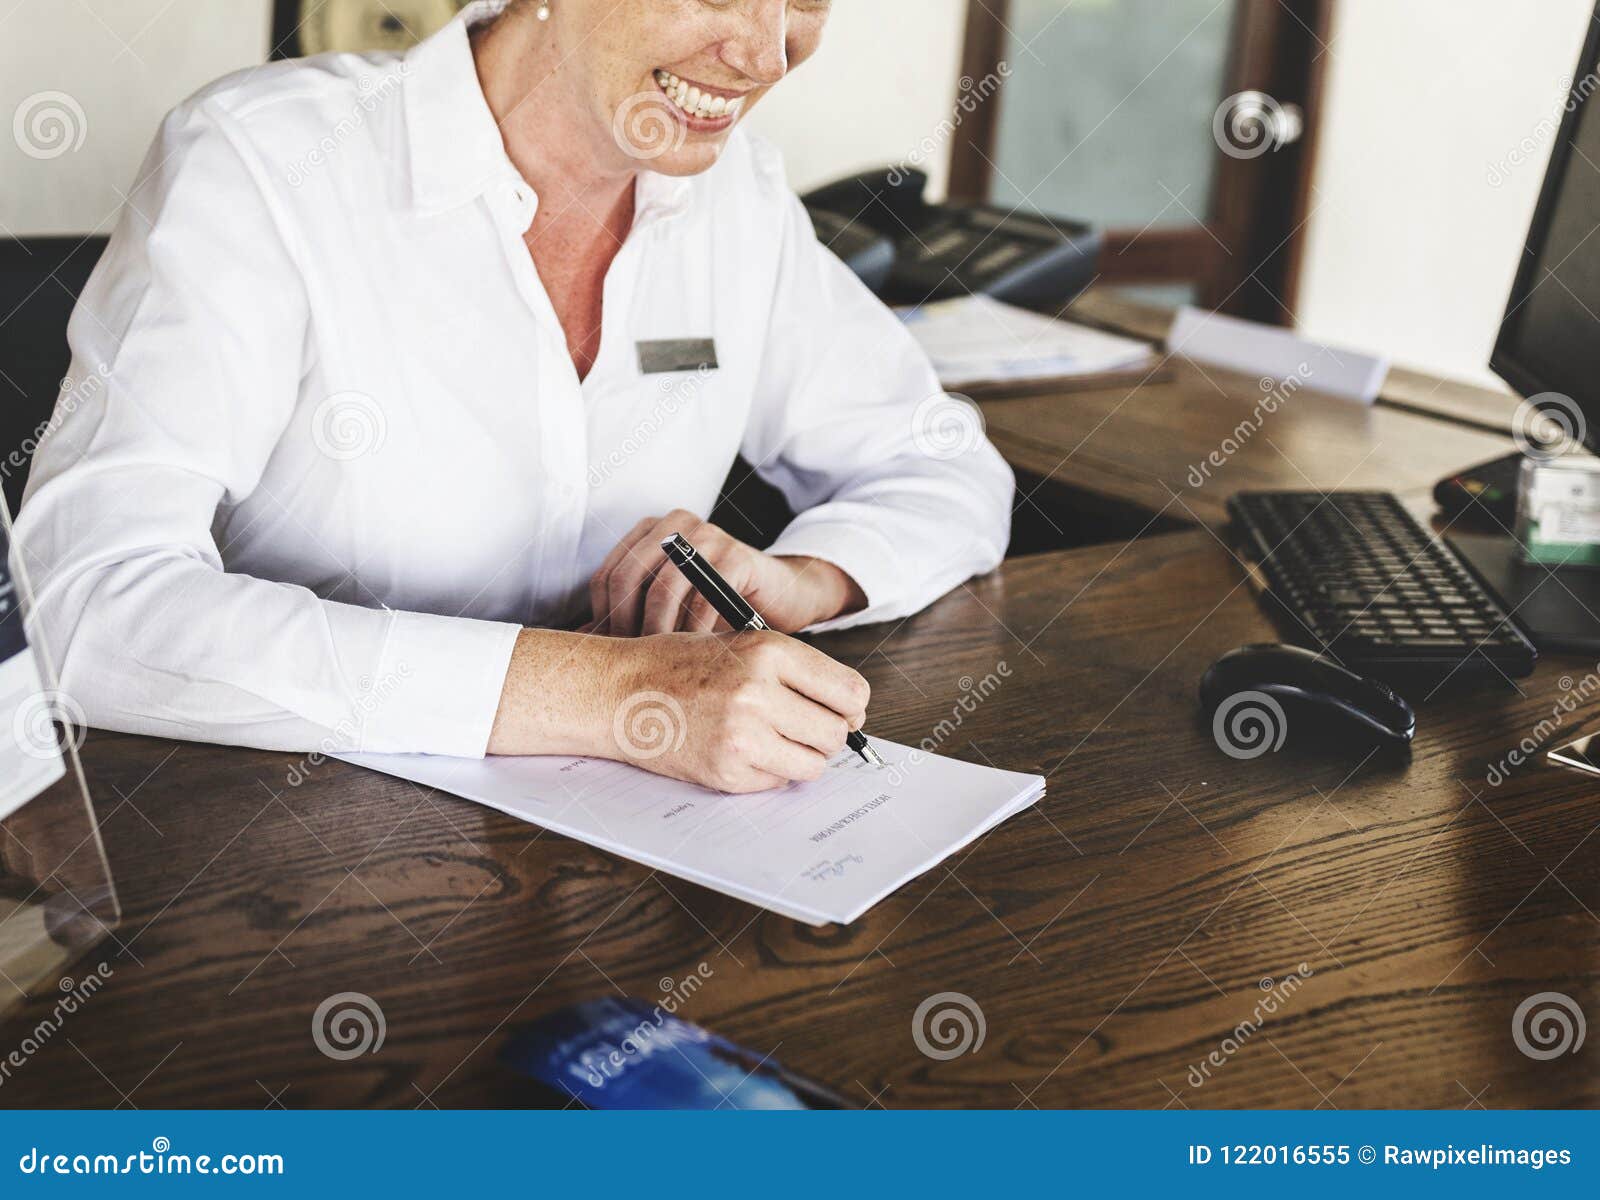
(56, 899)
(1106, 116)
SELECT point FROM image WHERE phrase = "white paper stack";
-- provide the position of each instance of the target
(976, 339)
(1276, 354)
(820, 852)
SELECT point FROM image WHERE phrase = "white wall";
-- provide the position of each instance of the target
(1436, 126)
(883, 81)
(124, 63)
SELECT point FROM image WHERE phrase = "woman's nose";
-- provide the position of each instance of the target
(760, 50)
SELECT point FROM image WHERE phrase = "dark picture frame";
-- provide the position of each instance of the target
(287, 20)
(1246, 259)
(285, 29)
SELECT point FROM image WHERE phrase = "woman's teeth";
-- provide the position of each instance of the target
(695, 102)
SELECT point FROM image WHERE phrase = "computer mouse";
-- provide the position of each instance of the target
(1305, 693)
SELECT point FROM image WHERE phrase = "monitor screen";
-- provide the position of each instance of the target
(1550, 336)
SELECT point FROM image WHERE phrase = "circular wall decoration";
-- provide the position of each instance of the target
(317, 26)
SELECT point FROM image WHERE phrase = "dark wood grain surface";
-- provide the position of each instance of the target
(1113, 937)
(1149, 444)
(1453, 400)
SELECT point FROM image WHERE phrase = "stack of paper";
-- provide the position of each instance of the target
(980, 340)
(1276, 354)
(819, 852)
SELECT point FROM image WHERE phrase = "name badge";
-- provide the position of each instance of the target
(677, 354)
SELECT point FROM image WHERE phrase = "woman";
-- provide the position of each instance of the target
(369, 405)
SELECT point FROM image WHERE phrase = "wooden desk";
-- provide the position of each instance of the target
(1113, 937)
(1452, 400)
(1144, 445)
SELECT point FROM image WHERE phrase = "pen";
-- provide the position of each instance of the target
(736, 611)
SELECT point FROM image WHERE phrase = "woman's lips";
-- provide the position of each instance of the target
(701, 106)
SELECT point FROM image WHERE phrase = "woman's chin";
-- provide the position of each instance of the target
(694, 156)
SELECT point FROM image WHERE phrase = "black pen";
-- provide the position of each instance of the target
(736, 611)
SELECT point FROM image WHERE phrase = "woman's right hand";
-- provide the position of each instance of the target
(738, 712)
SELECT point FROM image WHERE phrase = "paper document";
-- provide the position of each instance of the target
(976, 339)
(1276, 354)
(819, 852)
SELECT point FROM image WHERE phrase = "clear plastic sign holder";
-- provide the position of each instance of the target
(56, 897)
(1558, 511)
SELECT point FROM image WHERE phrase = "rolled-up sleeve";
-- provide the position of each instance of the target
(895, 482)
(187, 359)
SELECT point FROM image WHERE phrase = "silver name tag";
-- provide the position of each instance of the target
(677, 354)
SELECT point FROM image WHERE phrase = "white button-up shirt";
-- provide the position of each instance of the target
(323, 449)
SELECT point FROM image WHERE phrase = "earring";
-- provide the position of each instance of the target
(542, 12)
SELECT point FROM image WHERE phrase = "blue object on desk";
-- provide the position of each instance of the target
(626, 1054)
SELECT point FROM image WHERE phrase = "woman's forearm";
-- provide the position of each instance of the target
(558, 694)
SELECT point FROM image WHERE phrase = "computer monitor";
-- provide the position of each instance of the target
(1549, 351)
(1550, 335)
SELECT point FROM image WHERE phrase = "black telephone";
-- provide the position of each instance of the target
(909, 251)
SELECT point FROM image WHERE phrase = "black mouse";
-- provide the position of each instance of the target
(1257, 695)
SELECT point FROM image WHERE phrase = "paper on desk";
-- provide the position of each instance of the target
(818, 852)
(1276, 354)
(976, 339)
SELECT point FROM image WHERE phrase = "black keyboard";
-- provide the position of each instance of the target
(1356, 576)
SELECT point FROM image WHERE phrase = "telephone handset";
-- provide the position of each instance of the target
(909, 251)
(865, 251)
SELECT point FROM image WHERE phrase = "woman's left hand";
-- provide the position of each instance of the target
(637, 591)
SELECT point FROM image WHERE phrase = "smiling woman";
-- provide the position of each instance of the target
(678, 57)
(367, 329)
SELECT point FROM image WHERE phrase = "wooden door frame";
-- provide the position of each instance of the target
(1247, 257)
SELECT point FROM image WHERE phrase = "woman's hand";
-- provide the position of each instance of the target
(636, 591)
(738, 712)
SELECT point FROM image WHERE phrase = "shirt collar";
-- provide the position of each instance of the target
(657, 197)
(456, 148)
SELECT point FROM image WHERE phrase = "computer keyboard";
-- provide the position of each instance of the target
(1358, 577)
